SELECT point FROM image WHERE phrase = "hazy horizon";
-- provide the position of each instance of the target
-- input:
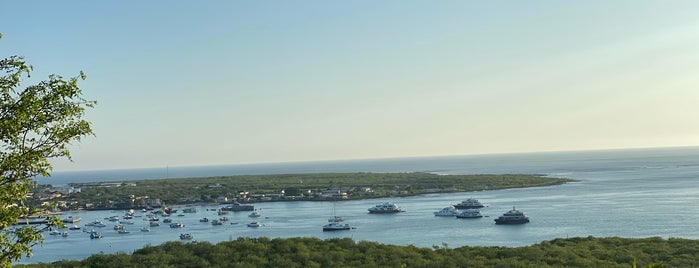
(394, 158)
(182, 83)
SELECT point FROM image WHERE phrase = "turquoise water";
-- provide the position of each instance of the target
(627, 193)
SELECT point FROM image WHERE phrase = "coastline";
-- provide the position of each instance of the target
(381, 185)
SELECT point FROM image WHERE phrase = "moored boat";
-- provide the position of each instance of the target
(176, 225)
(255, 214)
(336, 226)
(96, 224)
(386, 207)
(469, 203)
(238, 207)
(186, 236)
(254, 224)
(447, 211)
(469, 214)
(512, 217)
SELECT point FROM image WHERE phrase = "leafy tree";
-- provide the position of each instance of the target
(37, 123)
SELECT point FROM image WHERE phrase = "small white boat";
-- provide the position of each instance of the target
(447, 211)
(55, 232)
(64, 234)
(96, 224)
(74, 227)
(186, 236)
(123, 231)
(176, 225)
(145, 229)
(216, 222)
(336, 226)
(95, 235)
(255, 214)
(205, 219)
(254, 224)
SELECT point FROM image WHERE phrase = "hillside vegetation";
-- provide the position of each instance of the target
(344, 252)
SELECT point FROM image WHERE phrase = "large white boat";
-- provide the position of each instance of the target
(469, 214)
(447, 211)
(386, 207)
(512, 217)
(469, 203)
(336, 226)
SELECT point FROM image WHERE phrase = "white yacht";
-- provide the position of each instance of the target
(512, 217)
(255, 214)
(469, 203)
(386, 207)
(447, 211)
(469, 214)
(336, 226)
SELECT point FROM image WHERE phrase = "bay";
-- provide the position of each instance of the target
(626, 193)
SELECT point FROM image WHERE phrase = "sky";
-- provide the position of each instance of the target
(190, 83)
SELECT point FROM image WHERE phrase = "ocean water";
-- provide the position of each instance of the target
(626, 193)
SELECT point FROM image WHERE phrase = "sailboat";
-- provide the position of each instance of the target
(335, 223)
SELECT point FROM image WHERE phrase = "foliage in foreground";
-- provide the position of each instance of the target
(37, 123)
(344, 252)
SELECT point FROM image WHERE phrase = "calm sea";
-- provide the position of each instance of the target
(627, 193)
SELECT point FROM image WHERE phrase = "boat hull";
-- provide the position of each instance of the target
(468, 206)
(518, 221)
(469, 217)
(384, 211)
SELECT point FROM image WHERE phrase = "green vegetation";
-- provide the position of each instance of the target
(344, 252)
(255, 188)
(37, 123)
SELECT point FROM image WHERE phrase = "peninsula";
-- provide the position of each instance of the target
(281, 187)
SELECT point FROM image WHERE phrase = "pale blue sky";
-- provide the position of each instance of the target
(183, 83)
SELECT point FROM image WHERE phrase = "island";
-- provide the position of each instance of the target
(155, 193)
